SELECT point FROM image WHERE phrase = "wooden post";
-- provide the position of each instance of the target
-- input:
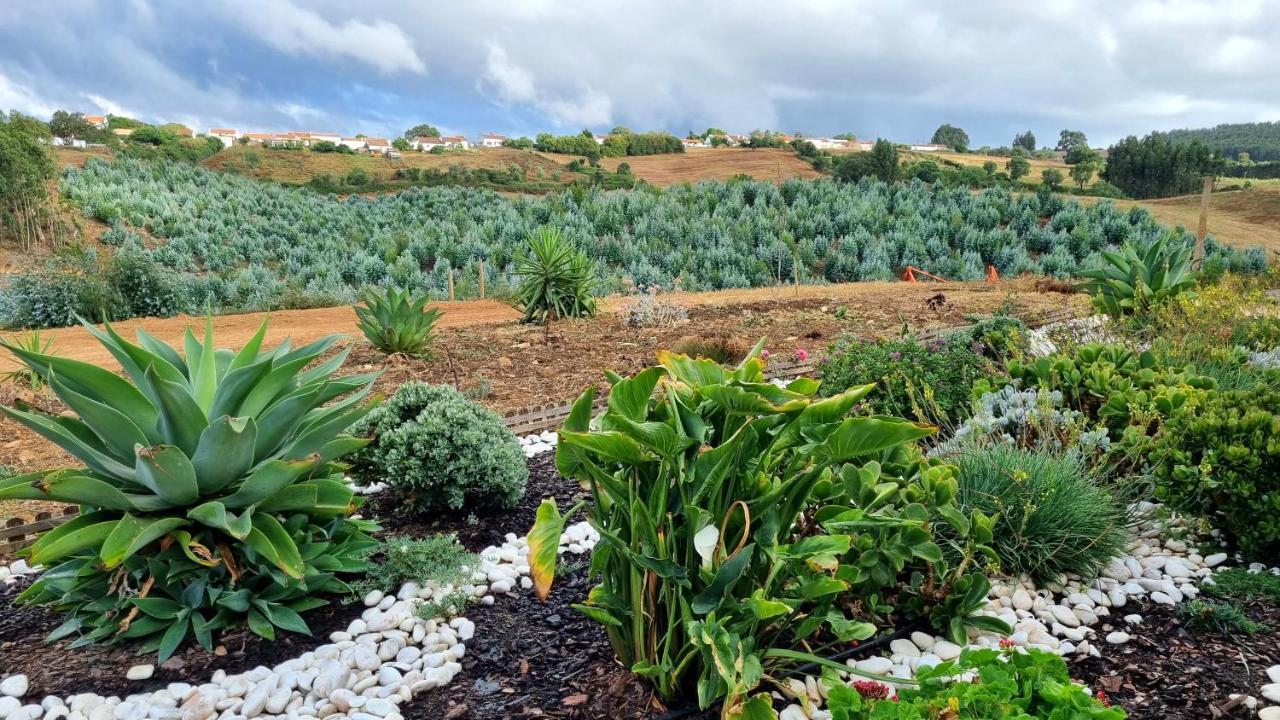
(451, 284)
(1203, 228)
(481, 278)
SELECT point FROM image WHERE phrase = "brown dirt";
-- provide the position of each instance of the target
(772, 164)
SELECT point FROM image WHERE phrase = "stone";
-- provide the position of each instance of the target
(1269, 713)
(1118, 637)
(1176, 567)
(905, 648)
(924, 641)
(140, 672)
(1134, 619)
(1273, 672)
(373, 598)
(1022, 599)
(14, 686)
(1162, 599)
(1215, 559)
(946, 649)
(1271, 691)
(874, 665)
(1064, 616)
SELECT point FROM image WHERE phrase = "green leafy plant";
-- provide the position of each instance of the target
(441, 451)
(740, 521)
(1053, 513)
(397, 321)
(33, 343)
(1221, 460)
(439, 559)
(209, 494)
(1240, 584)
(1028, 685)
(927, 381)
(1218, 616)
(1134, 280)
(555, 280)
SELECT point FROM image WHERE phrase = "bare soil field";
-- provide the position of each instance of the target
(976, 160)
(297, 167)
(772, 164)
(483, 349)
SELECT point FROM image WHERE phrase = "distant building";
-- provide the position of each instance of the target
(98, 121)
(355, 143)
(695, 143)
(122, 132)
(68, 142)
(863, 145)
(228, 136)
(377, 146)
(830, 143)
(259, 138)
(427, 143)
(929, 147)
(492, 140)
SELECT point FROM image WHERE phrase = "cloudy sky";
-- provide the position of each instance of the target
(891, 69)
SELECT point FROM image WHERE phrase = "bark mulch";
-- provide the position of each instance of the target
(1169, 671)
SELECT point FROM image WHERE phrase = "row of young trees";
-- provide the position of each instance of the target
(1158, 166)
(26, 175)
(620, 142)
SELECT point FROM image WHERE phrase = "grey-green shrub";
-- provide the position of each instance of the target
(440, 451)
(1055, 516)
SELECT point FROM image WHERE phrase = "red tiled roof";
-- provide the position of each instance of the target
(95, 118)
(494, 136)
(377, 142)
(222, 131)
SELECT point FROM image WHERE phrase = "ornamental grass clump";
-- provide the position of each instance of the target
(210, 494)
(746, 527)
(440, 451)
(1054, 513)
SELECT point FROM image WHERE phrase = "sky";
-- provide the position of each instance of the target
(877, 69)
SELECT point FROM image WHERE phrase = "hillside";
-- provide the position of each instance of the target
(1239, 217)
(1261, 139)
(771, 164)
(298, 167)
(976, 160)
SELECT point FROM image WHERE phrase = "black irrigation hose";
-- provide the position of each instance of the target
(861, 649)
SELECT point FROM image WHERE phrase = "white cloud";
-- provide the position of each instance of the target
(510, 83)
(299, 31)
(108, 106)
(22, 98)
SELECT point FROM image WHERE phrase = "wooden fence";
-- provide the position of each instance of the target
(18, 534)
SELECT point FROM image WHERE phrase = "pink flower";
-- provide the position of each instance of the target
(871, 689)
(764, 354)
(801, 354)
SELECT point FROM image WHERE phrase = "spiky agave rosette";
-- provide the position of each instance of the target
(209, 494)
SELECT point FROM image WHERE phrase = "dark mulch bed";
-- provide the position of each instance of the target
(1169, 671)
(53, 669)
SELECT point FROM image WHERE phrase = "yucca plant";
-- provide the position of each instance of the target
(1133, 281)
(209, 494)
(746, 527)
(556, 280)
(397, 321)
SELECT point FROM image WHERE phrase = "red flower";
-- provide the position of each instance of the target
(1102, 697)
(871, 689)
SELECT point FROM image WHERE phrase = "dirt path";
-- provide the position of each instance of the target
(303, 326)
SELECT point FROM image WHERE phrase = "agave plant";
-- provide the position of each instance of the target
(556, 280)
(1133, 281)
(208, 493)
(397, 321)
(746, 527)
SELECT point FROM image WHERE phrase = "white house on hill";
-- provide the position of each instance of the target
(492, 140)
(228, 136)
(98, 121)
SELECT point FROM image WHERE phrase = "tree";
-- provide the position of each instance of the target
(1069, 140)
(846, 136)
(1026, 141)
(1018, 164)
(1052, 177)
(880, 163)
(884, 159)
(324, 146)
(401, 144)
(1157, 166)
(26, 172)
(1081, 154)
(423, 130)
(926, 170)
(1083, 172)
(67, 125)
(990, 167)
(520, 143)
(951, 136)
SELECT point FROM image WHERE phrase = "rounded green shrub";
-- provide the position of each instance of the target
(1054, 515)
(1222, 460)
(440, 451)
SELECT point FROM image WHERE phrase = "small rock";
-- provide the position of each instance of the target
(1215, 559)
(1271, 691)
(14, 686)
(140, 672)
(1118, 637)
(1269, 713)
(1273, 672)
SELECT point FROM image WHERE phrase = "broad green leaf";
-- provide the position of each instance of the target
(283, 553)
(214, 514)
(167, 471)
(544, 544)
(267, 480)
(224, 453)
(131, 534)
(728, 574)
(117, 430)
(858, 436)
(79, 533)
(181, 418)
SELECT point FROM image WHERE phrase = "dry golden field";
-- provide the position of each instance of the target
(297, 167)
(772, 164)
